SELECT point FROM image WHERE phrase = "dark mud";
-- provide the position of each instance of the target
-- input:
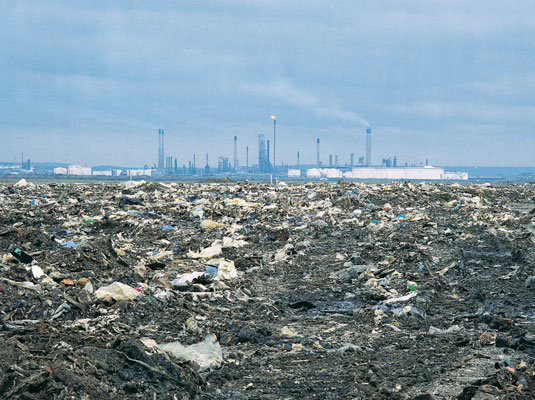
(395, 291)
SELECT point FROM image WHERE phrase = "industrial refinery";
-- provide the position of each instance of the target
(259, 164)
(263, 165)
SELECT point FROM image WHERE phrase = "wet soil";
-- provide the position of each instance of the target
(391, 291)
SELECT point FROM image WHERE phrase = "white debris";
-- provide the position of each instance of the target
(117, 291)
(37, 271)
(208, 252)
(21, 183)
(207, 354)
(400, 299)
(186, 279)
(226, 270)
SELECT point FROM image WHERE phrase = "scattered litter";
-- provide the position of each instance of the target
(226, 270)
(401, 299)
(288, 332)
(207, 354)
(407, 289)
(117, 291)
(209, 252)
(37, 271)
(186, 279)
(209, 224)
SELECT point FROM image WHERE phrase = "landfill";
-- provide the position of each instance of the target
(240, 290)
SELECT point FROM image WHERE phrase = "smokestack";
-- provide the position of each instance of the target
(352, 159)
(159, 149)
(235, 153)
(336, 160)
(267, 156)
(330, 160)
(297, 160)
(368, 146)
(262, 163)
(318, 152)
(161, 158)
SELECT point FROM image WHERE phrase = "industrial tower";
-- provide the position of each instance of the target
(161, 156)
(368, 146)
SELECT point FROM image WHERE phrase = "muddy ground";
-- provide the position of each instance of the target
(390, 291)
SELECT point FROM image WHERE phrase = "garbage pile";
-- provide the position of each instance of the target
(247, 290)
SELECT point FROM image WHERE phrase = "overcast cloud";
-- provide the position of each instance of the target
(93, 81)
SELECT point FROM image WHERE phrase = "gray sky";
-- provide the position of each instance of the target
(93, 81)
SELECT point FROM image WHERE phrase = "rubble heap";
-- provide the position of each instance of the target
(241, 290)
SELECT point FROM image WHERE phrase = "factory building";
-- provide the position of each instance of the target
(263, 154)
(416, 173)
(396, 173)
(78, 170)
(60, 171)
(102, 173)
(139, 172)
(294, 173)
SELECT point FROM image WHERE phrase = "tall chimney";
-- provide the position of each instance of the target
(352, 159)
(160, 161)
(297, 160)
(318, 152)
(235, 153)
(368, 146)
(161, 153)
(262, 163)
(267, 156)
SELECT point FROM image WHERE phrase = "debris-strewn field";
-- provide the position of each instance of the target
(250, 291)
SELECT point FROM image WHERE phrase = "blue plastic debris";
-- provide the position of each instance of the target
(457, 206)
(401, 216)
(167, 227)
(211, 271)
(69, 245)
(374, 221)
(420, 267)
